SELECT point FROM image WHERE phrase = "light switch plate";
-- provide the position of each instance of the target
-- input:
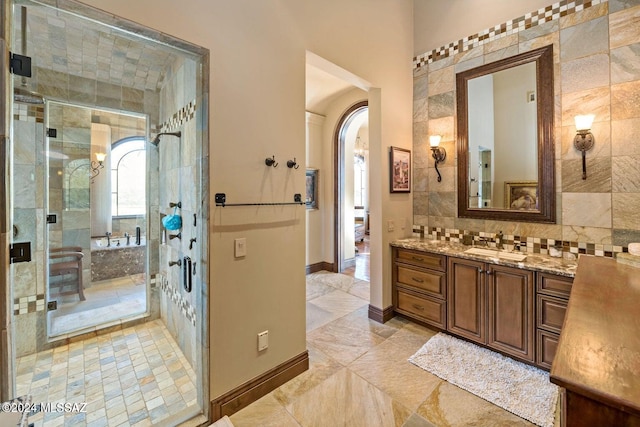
(391, 225)
(240, 248)
(263, 340)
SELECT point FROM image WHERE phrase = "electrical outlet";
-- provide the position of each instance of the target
(263, 340)
(240, 247)
(391, 226)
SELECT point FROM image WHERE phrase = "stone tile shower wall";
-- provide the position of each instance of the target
(180, 180)
(29, 278)
(597, 71)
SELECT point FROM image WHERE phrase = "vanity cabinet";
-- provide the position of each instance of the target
(492, 305)
(466, 306)
(513, 310)
(420, 286)
(511, 313)
(551, 306)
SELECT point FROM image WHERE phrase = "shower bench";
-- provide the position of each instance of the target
(70, 262)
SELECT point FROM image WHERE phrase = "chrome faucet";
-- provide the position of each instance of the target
(108, 238)
(128, 237)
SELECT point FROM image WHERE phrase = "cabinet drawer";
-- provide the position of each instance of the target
(546, 345)
(433, 282)
(551, 311)
(422, 259)
(426, 309)
(551, 284)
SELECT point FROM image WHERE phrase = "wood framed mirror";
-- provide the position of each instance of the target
(506, 155)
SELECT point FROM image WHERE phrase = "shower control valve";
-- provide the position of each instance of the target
(178, 263)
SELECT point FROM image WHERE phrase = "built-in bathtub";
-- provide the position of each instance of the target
(116, 259)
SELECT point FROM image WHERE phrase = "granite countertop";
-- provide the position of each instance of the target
(598, 353)
(536, 262)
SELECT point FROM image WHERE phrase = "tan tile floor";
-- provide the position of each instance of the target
(359, 374)
(132, 377)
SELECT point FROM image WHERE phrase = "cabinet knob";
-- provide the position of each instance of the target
(489, 272)
(480, 270)
(416, 279)
(418, 307)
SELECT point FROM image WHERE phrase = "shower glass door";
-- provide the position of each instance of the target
(96, 218)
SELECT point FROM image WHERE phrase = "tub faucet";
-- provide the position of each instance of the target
(108, 238)
(499, 238)
(128, 237)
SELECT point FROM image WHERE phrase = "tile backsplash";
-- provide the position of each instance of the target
(596, 70)
(535, 245)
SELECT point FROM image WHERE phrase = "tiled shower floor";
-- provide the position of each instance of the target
(105, 301)
(132, 377)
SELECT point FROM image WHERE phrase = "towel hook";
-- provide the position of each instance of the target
(292, 164)
(271, 161)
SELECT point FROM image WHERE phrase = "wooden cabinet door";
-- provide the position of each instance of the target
(511, 325)
(466, 307)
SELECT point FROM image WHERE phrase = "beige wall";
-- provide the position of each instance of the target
(257, 110)
(438, 23)
(596, 71)
(317, 236)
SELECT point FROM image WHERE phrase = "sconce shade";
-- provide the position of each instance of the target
(584, 122)
(100, 157)
(434, 140)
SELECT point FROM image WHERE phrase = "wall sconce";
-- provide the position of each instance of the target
(437, 152)
(584, 139)
(97, 164)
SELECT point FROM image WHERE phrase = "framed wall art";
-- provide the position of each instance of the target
(400, 170)
(521, 195)
(311, 198)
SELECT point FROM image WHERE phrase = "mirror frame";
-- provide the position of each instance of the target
(543, 57)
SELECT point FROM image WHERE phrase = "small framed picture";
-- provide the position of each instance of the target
(521, 195)
(311, 198)
(400, 170)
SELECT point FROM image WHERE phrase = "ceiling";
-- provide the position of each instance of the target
(322, 88)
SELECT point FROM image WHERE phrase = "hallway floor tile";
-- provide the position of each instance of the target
(359, 374)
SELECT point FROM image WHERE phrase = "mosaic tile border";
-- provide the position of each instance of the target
(186, 308)
(180, 117)
(534, 245)
(33, 303)
(513, 26)
(28, 113)
(28, 304)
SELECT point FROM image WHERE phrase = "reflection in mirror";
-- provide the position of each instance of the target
(505, 139)
(502, 136)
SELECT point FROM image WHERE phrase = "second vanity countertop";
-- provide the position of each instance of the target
(535, 262)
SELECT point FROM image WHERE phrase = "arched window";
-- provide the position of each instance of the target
(128, 177)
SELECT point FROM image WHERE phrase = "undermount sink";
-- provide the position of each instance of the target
(496, 254)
